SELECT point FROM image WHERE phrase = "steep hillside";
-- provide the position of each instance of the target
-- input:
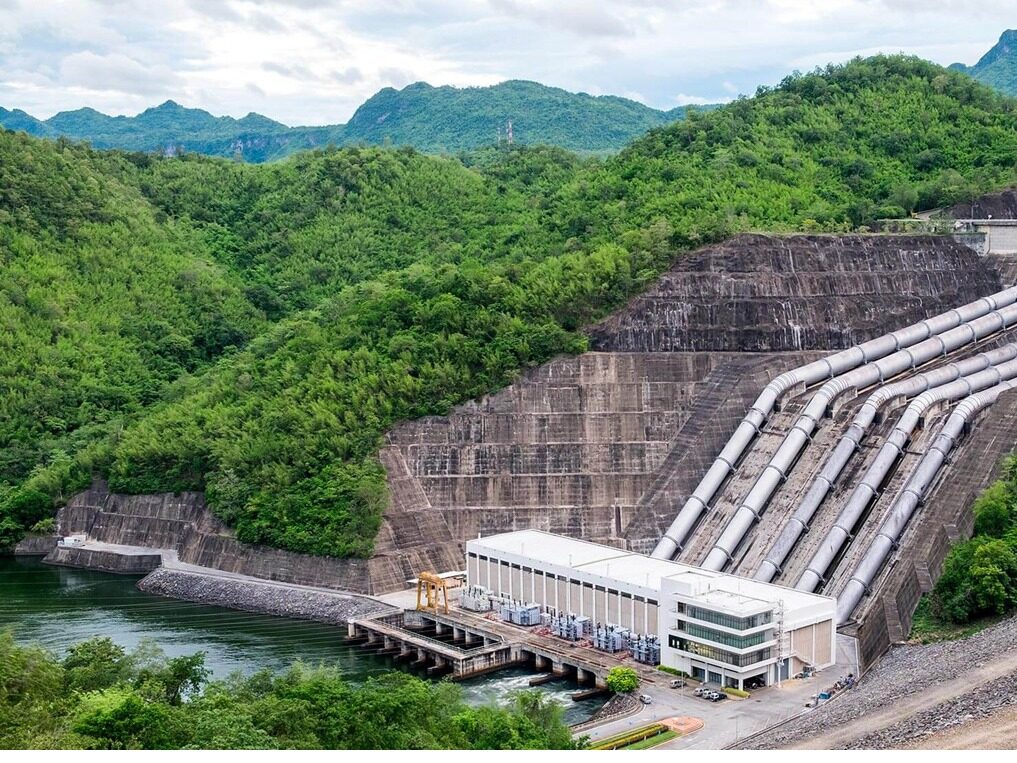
(431, 119)
(102, 306)
(998, 67)
(398, 286)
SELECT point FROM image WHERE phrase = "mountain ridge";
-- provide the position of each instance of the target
(432, 119)
(998, 66)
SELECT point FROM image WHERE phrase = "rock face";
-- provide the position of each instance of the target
(758, 293)
(998, 206)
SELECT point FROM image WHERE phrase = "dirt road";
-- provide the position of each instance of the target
(906, 706)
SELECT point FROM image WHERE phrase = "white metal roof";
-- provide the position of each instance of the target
(728, 592)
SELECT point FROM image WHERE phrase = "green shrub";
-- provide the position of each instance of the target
(622, 680)
(45, 526)
(736, 692)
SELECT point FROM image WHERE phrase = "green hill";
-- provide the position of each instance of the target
(171, 129)
(998, 67)
(431, 119)
(449, 119)
(381, 285)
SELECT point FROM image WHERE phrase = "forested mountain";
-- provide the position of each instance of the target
(450, 119)
(998, 67)
(344, 290)
(430, 119)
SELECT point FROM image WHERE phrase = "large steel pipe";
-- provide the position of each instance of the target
(775, 472)
(911, 496)
(826, 368)
(848, 444)
(868, 487)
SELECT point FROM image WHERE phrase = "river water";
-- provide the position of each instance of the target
(59, 606)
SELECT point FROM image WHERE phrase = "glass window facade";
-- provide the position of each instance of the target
(719, 655)
(719, 637)
(728, 621)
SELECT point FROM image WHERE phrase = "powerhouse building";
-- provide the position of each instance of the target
(719, 628)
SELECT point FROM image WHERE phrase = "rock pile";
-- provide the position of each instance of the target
(262, 598)
(978, 703)
(906, 670)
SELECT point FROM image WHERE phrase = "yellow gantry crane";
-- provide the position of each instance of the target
(429, 585)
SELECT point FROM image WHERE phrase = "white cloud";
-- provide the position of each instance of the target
(315, 61)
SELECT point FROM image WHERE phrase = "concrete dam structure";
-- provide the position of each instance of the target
(610, 445)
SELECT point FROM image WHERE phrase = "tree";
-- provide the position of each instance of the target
(120, 719)
(622, 680)
(994, 510)
(96, 664)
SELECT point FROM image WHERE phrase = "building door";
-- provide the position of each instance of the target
(716, 678)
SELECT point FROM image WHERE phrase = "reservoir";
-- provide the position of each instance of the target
(58, 607)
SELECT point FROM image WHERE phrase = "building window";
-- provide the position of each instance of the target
(651, 602)
(728, 621)
(626, 595)
(718, 655)
(727, 639)
(472, 555)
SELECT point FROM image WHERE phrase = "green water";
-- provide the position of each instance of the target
(58, 607)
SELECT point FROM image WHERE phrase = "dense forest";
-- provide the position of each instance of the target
(439, 120)
(101, 697)
(252, 330)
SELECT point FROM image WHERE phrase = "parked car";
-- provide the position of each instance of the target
(717, 696)
(677, 683)
(701, 691)
(646, 699)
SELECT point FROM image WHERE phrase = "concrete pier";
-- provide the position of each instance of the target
(462, 644)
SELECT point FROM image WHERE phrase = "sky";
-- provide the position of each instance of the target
(311, 62)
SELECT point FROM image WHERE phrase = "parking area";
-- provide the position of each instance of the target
(730, 720)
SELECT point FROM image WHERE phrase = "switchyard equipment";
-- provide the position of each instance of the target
(520, 613)
(645, 649)
(571, 627)
(928, 332)
(476, 599)
(611, 638)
